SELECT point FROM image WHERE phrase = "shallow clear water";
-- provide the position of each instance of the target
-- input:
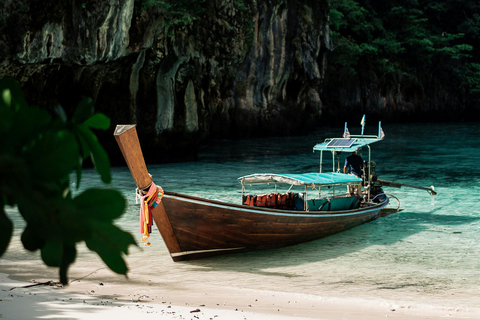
(429, 253)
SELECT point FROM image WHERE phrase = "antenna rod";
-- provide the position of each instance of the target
(363, 123)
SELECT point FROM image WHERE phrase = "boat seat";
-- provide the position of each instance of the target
(333, 204)
(344, 203)
(317, 204)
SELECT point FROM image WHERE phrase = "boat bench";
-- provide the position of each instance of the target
(333, 204)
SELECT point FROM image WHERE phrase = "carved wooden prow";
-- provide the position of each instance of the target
(127, 139)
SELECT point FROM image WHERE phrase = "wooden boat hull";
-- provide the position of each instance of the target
(193, 227)
(198, 227)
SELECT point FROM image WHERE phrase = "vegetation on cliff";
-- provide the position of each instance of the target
(406, 43)
(176, 12)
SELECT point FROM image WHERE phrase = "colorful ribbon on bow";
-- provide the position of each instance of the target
(148, 202)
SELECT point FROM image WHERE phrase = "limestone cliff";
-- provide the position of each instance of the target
(244, 67)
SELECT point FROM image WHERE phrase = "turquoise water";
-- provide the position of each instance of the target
(429, 253)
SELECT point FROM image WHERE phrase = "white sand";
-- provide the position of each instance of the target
(51, 302)
(84, 299)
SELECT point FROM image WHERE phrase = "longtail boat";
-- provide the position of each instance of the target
(194, 227)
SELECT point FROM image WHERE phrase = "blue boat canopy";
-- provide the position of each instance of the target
(304, 179)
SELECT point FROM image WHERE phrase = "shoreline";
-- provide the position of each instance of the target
(128, 299)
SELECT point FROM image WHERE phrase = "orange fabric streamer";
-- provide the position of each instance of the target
(148, 202)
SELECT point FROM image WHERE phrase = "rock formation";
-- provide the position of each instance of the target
(242, 68)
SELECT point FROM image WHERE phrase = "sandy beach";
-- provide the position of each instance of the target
(91, 300)
(94, 292)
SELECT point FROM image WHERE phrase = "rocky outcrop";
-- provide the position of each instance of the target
(242, 68)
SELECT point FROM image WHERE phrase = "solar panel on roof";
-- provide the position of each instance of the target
(341, 143)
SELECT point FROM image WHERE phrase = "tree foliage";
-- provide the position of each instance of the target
(407, 37)
(180, 13)
(176, 12)
(37, 155)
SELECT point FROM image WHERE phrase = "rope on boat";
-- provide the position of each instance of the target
(377, 196)
(391, 195)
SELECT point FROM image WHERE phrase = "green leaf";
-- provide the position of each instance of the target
(13, 175)
(11, 94)
(29, 123)
(70, 224)
(54, 156)
(52, 253)
(6, 119)
(30, 238)
(84, 145)
(6, 229)
(100, 204)
(99, 156)
(110, 242)
(6, 98)
(21, 124)
(98, 121)
(83, 111)
(52, 218)
(102, 162)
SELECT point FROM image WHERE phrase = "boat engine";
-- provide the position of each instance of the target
(376, 191)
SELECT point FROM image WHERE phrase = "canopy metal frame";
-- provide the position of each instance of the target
(352, 143)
